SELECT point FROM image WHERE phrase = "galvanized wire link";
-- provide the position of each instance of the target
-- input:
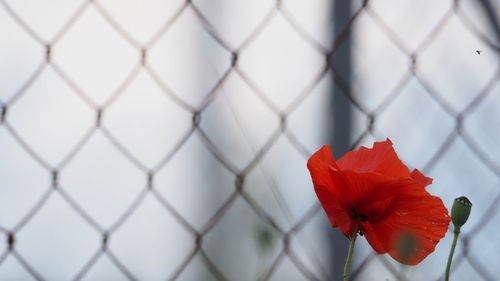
(239, 174)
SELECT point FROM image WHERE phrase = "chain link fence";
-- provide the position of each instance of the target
(168, 141)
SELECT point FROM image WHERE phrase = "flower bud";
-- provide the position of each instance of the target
(460, 211)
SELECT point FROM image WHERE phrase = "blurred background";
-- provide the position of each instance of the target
(168, 140)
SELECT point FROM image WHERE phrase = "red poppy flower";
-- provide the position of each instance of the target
(372, 191)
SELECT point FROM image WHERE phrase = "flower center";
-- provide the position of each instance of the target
(357, 216)
(360, 217)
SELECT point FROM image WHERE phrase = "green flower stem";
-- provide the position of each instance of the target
(349, 254)
(452, 251)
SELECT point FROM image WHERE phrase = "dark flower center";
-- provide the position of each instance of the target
(357, 216)
(360, 217)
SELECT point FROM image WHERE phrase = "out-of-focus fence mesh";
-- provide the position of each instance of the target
(431, 87)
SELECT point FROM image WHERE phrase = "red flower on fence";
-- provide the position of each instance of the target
(373, 192)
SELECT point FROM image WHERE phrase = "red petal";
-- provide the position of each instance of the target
(380, 159)
(365, 194)
(371, 193)
(419, 177)
(423, 218)
(337, 213)
(320, 166)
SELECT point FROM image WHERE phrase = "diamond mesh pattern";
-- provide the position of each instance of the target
(415, 85)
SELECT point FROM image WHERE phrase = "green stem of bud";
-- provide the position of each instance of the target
(452, 251)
